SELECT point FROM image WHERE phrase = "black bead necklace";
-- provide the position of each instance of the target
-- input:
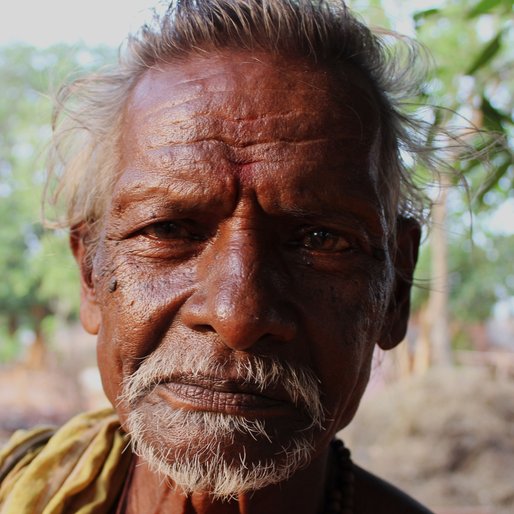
(340, 497)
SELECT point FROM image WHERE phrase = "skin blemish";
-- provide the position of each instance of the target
(113, 285)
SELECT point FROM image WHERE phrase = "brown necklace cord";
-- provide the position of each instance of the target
(121, 506)
(340, 496)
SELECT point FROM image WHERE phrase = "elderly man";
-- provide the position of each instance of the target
(246, 233)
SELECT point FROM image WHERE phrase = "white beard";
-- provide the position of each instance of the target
(190, 447)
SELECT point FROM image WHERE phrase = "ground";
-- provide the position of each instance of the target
(446, 437)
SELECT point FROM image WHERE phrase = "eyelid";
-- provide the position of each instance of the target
(181, 224)
(338, 232)
(146, 231)
(310, 231)
(357, 238)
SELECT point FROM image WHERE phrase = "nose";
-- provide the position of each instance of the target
(241, 294)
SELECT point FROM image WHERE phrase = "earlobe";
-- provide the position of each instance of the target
(89, 310)
(407, 245)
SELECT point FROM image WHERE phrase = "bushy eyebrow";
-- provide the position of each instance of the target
(182, 195)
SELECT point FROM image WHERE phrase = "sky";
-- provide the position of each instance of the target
(45, 22)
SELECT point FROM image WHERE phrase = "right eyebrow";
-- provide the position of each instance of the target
(178, 195)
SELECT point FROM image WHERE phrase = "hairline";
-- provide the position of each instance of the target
(167, 41)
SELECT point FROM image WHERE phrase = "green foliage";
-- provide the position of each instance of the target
(486, 6)
(9, 347)
(487, 53)
(480, 275)
(39, 280)
(420, 16)
(472, 45)
(475, 79)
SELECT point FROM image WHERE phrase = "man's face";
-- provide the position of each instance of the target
(244, 270)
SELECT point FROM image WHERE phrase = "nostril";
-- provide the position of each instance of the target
(204, 328)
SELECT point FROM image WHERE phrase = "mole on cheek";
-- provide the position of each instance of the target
(113, 285)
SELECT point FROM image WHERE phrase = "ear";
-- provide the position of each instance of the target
(89, 310)
(408, 234)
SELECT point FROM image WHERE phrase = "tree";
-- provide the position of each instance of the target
(473, 81)
(38, 275)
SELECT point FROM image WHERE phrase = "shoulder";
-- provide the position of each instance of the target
(376, 496)
(80, 464)
(23, 446)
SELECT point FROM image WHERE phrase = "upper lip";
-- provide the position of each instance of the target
(232, 386)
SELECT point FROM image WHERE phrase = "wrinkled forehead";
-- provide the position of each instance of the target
(228, 94)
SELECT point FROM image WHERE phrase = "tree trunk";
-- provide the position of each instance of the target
(37, 352)
(437, 309)
(36, 355)
(12, 324)
(422, 352)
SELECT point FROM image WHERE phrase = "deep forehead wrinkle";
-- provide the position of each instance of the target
(183, 100)
(203, 113)
(237, 138)
(194, 125)
(244, 107)
(215, 117)
(217, 155)
(196, 102)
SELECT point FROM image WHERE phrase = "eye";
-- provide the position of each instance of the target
(322, 240)
(170, 231)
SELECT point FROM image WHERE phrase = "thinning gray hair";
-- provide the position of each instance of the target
(84, 158)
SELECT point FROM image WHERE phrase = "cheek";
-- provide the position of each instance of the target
(348, 307)
(138, 304)
(344, 386)
(343, 335)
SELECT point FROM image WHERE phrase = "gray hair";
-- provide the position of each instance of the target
(83, 161)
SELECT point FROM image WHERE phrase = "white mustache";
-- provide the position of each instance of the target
(299, 383)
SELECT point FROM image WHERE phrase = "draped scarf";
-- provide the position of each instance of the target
(80, 469)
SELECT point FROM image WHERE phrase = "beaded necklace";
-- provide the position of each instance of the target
(340, 495)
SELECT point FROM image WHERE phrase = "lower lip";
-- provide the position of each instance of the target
(197, 398)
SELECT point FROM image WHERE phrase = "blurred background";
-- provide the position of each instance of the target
(438, 417)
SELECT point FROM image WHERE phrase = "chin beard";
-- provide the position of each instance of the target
(219, 453)
(212, 452)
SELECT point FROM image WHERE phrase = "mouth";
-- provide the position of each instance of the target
(225, 396)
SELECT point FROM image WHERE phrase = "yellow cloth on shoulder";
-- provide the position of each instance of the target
(80, 470)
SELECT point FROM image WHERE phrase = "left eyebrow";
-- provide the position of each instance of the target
(371, 224)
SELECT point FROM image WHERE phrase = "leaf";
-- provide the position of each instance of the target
(493, 118)
(493, 179)
(421, 15)
(483, 7)
(490, 50)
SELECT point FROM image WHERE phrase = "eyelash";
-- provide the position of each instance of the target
(316, 239)
(337, 243)
(181, 232)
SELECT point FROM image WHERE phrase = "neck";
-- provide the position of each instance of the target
(303, 493)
